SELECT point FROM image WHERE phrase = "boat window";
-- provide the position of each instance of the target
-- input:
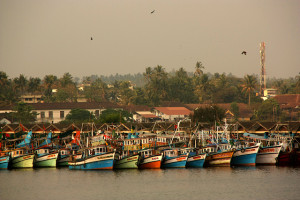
(100, 149)
(62, 153)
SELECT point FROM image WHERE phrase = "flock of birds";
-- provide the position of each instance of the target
(243, 52)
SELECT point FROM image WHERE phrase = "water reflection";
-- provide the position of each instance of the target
(260, 182)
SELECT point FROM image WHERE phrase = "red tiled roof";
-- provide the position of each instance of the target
(288, 100)
(174, 110)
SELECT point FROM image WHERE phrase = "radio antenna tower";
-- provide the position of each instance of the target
(263, 68)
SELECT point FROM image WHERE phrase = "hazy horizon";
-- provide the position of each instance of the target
(54, 37)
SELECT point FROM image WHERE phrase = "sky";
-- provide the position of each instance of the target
(41, 37)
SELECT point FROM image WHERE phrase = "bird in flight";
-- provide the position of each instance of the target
(244, 52)
(91, 38)
(152, 11)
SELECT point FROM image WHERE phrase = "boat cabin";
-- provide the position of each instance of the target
(18, 152)
(171, 153)
(41, 152)
(132, 144)
(147, 153)
(97, 150)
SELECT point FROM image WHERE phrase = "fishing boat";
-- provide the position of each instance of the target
(150, 159)
(44, 157)
(93, 158)
(63, 157)
(195, 159)
(127, 160)
(21, 158)
(268, 155)
(245, 154)
(218, 155)
(4, 159)
(172, 158)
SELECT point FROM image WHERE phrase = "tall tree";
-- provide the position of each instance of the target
(249, 85)
(21, 83)
(34, 85)
(199, 69)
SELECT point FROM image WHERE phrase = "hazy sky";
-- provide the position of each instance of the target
(39, 37)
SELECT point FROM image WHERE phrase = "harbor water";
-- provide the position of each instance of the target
(261, 182)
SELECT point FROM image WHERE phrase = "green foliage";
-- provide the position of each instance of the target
(234, 108)
(114, 116)
(269, 110)
(23, 113)
(209, 114)
(79, 115)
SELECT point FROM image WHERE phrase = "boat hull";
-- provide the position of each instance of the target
(221, 159)
(48, 160)
(63, 161)
(268, 155)
(245, 157)
(130, 162)
(24, 161)
(284, 159)
(177, 162)
(4, 162)
(153, 162)
(103, 161)
(196, 161)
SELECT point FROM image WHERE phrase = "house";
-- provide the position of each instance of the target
(56, 112)
(4, 121)
(290, 104)
(29, 98)
(145, 116)
(171, 113)
(269, 92)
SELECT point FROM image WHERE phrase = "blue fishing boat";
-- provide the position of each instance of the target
(195, 158)
(172, 158)
(4, 160)
(245, 155)
(93, 158)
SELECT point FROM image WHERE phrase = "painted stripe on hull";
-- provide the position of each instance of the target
(268, 155)
(177, 162)
(103, 164)
(153, 162)
(244, 160)
(127, 163)
(25, 161)
(196, 161)
(45, 160)
(103, 161)
(221, 159)
(151, 165)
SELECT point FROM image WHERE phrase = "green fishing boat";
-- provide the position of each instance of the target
(21, 158)
(127, 161)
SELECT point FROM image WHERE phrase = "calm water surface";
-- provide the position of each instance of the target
(268, 182)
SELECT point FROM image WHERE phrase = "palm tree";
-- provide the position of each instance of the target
(250, 83)
(199, 67)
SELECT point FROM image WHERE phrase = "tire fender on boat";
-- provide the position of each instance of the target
(242, 150)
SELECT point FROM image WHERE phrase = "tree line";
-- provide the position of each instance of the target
(151, 88)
